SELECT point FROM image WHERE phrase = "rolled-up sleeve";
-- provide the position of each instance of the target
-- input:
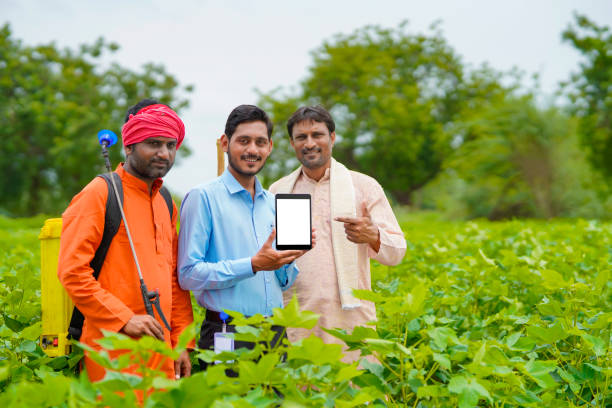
(287, 275)
(392, 242)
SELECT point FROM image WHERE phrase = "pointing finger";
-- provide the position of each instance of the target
(346, 220)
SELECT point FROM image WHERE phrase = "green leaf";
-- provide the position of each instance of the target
(291, 316)
(539, 372)
(188, 334)
(553, 280)
(13, 324)
(361, 398)
(602, 279)
(569, 379)
(266, 365)
(442, 336)
(524, 344)
(597, 344)
(163, 383)
(117, 381)
(32, 332)
(5, 370)
(313, 349)
(347, 373)
(359, 334)
(443, 360)
(248, 371)
(370, 296)
(429, 391)
(485, 258)
(470, 391)
(496, 356)
(527, 398)
(548, 335)
(27, 346)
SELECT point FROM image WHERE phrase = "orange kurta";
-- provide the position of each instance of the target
(115, 297)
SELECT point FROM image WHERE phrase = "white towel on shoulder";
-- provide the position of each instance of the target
(342, 201)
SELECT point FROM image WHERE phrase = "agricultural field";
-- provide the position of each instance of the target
(505, 314)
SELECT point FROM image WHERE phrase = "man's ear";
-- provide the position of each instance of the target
(271, 144)
(224, 142)
(333, 138)
(128, 150)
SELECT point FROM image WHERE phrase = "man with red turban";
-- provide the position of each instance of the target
(151, 135)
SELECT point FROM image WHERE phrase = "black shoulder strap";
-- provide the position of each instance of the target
(168, 198)
(112, 221)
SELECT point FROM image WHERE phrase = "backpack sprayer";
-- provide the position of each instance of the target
(56, 306)
(108, 138)
(61, 321)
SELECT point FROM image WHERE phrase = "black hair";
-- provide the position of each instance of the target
(245, 114)
(134, 109)
(316, 113)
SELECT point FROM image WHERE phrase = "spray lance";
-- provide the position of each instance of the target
(108, 138)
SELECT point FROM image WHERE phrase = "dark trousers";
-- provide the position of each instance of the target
(212, 326)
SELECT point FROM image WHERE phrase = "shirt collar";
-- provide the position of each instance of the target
(136, 182)
(233, 186)
(313, 181)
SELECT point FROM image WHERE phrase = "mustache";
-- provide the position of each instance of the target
(250, 157)
(313, 150)
(166, 162)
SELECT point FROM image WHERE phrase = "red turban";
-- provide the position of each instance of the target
(153, 121)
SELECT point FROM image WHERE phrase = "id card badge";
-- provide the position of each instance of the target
(223, 342)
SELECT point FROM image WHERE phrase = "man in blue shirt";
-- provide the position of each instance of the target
(226, 242)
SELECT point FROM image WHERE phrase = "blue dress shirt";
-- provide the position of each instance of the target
(222, 227)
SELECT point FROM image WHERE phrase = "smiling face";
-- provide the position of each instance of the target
(247, 149)
(313, 144)
(151, 158)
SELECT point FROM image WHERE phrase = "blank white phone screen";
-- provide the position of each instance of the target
(293, 222)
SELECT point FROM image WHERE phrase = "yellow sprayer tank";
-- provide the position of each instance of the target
(55, 303)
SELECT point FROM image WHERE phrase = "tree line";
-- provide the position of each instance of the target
(436, 132)
(474, 142)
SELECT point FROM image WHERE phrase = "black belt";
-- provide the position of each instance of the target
(213, 316)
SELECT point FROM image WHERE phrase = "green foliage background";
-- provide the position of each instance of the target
(479, 313)
(52, 102)
(436, 132)
(512, 314)
(473, 142)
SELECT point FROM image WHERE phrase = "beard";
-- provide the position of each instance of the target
(317, 162)
(149, 169)
(247, 172)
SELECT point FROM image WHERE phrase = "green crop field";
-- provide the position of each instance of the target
(506, 314)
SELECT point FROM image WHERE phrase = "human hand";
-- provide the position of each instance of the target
(269, 259)
(182, 366)
(361, 230)
(143, 325)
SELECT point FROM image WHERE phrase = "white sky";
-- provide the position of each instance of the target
(227, 49)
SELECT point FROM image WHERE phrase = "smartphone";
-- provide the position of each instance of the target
(293, 221)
